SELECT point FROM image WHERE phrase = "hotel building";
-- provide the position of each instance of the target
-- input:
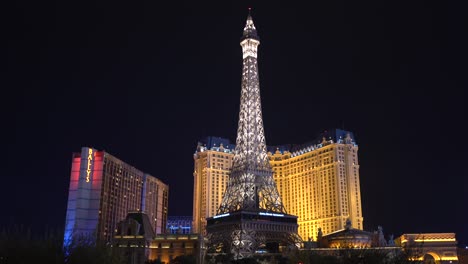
(318, 181)
(213, 162)
(104, 189)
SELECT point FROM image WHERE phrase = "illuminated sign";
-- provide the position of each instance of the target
(90, 159)
(270, 214)
(221, 215)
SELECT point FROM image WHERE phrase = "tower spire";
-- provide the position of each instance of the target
(250, 32)
(249, 39)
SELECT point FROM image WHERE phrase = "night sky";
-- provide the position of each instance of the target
(145, 81)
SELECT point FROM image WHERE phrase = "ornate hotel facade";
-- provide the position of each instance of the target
(318, 181)
(104, 189)
(213, 162)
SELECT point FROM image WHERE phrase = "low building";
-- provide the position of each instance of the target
(436, 248)
(350, 237)
(166, 247)
(134, 237)
(430, 248)
(137, 243)
(351, 244)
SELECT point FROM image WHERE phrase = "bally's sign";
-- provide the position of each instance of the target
(90, 163)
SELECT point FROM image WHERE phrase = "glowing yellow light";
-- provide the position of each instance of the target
(90, 158)
(449, 258)
(435, 240)
(431, 240)
(441, 258)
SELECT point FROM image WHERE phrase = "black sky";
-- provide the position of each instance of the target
(146, 80)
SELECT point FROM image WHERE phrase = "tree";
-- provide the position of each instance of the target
(18, 245)
(84, 249)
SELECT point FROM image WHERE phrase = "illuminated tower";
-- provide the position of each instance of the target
(251, 215)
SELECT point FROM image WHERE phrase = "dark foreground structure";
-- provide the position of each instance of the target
(136, 243)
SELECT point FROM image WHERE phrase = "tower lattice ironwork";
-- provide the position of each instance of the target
(251, 215)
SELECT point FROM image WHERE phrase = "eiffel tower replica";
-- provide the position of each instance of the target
(251, 218)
